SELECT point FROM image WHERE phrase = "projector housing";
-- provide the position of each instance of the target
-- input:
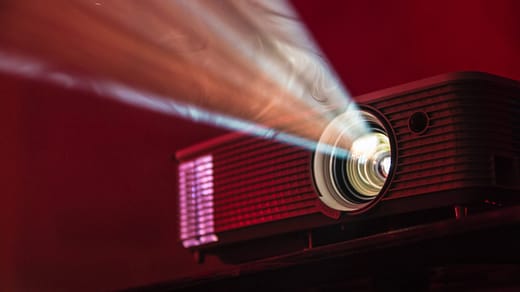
(455, 142)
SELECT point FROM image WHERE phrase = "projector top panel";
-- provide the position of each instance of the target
(438, 80)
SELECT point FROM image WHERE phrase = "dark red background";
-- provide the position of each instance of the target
(88, 192)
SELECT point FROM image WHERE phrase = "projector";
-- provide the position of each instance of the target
(450, 142)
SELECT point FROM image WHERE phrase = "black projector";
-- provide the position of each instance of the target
(434, 145)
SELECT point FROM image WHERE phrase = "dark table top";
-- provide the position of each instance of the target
(476, 252)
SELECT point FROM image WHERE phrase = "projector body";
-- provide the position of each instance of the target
(455, 143)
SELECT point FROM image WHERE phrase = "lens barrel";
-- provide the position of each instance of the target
(353, 161)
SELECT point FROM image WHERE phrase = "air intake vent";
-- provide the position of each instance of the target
(196, 201)
(245, 181)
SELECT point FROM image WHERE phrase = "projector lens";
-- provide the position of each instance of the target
(353, 161)
(368, 164)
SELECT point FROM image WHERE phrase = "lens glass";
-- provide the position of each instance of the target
(368, 164)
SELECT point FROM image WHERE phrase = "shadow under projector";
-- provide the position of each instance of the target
(445, 143)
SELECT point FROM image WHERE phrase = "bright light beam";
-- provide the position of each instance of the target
(243, 65)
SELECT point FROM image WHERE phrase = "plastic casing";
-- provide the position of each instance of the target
(469, 150)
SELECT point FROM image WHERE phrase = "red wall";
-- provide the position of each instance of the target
(88, 186)
(377, 44)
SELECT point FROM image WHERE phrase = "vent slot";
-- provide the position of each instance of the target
(196, 188)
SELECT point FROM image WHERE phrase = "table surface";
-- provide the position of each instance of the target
(478, 251)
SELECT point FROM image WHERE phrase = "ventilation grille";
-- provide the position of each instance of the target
(468, 124)
(197, 225)
(252, 181)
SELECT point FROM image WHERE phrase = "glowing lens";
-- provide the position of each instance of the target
(368, 164)
(353, 161)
